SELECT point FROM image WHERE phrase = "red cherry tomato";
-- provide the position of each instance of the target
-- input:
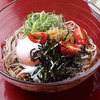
(39, 35)
(69, 48)
(44, 37)
(32, 38)
(80, 36)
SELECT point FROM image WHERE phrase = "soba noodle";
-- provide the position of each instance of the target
(18, 70)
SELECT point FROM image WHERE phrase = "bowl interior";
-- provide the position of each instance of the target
(12, 18)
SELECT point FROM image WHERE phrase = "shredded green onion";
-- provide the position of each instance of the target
(41, 22)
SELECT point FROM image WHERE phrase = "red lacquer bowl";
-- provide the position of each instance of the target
(12, 18)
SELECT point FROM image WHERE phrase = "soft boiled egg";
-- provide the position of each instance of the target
(23, 49)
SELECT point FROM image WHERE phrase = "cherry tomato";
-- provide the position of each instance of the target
(32, 38)
(80, 36)
(38, 35)
(44, 37)
(69, 48)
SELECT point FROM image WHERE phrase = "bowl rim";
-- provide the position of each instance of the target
(76, 78)
(92, 4)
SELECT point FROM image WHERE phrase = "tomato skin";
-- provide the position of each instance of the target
(80, 36)
(44, 37)
(32, 38)
(69, 48)
(39, 35)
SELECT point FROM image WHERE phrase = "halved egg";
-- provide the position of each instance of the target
(23, 49)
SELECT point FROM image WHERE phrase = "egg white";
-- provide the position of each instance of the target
(23, 49)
